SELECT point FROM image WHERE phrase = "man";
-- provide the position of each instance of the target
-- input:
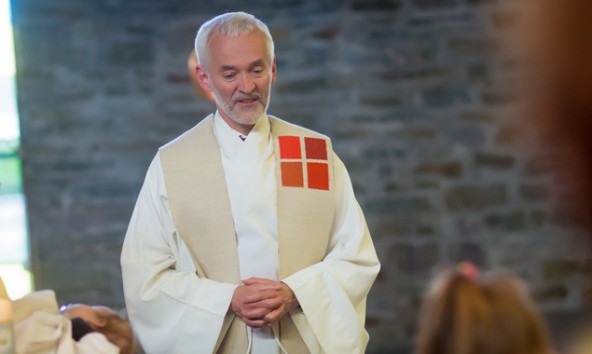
(246, 237)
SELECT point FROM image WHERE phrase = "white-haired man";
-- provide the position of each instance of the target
(246, 236)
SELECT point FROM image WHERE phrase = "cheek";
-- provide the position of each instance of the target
(224, 89)
(264, 83)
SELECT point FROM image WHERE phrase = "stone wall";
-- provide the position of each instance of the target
(410, 91)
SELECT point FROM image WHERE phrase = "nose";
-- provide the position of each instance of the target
(246, 83)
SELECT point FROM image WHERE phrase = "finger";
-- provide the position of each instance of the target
(270, 304)
(255, 323)
(261, 295)
(267, 283)
(255, 314)
(275, 315)
(264, 287)
(255, 297)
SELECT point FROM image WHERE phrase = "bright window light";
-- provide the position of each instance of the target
(14, 251)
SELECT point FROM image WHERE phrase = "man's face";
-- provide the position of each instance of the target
(240, 73)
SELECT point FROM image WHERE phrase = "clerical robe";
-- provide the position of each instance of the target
(178, 295)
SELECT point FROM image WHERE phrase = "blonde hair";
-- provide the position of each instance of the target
(490, 314)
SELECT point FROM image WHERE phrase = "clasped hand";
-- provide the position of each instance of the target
(262, 302)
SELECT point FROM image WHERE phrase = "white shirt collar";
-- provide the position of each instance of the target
(255, 146)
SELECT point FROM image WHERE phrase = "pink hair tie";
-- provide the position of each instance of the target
(469, 270)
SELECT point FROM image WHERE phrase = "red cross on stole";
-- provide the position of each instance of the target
(309, 165)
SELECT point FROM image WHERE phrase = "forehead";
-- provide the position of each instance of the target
(234, 51)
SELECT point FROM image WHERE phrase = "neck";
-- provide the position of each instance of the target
(242, 128)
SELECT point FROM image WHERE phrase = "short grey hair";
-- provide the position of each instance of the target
(231, 24)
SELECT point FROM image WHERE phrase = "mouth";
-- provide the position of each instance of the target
(247, 101)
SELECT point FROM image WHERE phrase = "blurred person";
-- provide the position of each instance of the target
(465, 312)
(556, 41)
(555, 38)
(104, 320)
(40, 327)
(246, 236)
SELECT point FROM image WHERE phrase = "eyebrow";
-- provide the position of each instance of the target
(258, 62)
(227, 68)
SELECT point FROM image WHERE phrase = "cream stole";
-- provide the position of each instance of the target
(200, 206)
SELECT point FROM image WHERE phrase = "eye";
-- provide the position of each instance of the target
(228, 75)
(257, 71)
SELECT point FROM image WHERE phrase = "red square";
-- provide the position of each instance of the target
(316, 148)
(318, 175)
(290, 147)
(292, 174)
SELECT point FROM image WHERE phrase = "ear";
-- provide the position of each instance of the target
(97, 321)
(192, 71)
(202, 78)
(273, 71)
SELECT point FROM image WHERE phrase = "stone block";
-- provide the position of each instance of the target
(441, 169)
(564, 269)
(434, 4)
(416, 133)
(391, 227)
(535, 192)
(494, 161)
(302, 86)
(386, 101)
(375, 153)
(415, 258)
(499, 97)
(552, 293)
(509, 135)
(327, 34)
(472, 45)
(478, 72)
(398, 205)
(130, 53)
(425, 227)
(481, 2)
(443, 97)
(538, 218)
(375, 5)
(509, 222)
(476, 116)
(467, 251)
(397, 74)
(475, 197)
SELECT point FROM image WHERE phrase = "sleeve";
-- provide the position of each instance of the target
(171, 309)
(332, 294)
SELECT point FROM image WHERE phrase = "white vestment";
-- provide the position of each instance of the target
(172, 310)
